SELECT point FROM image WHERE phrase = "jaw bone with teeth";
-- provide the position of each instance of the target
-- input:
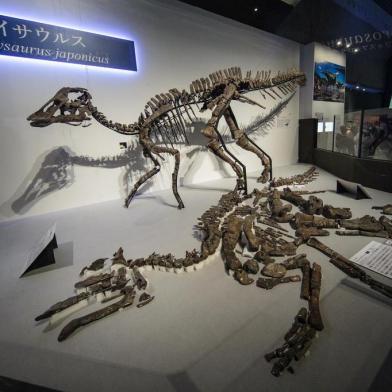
(62, 109)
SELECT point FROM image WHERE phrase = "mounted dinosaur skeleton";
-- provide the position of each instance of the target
(166, 114)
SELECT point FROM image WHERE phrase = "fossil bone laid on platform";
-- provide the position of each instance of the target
(163, 120)
(248, 234)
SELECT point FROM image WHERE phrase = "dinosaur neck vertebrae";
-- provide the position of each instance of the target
(116, 127)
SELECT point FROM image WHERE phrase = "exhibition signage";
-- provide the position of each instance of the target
(25, 38)
(377, 257)
(42, 253)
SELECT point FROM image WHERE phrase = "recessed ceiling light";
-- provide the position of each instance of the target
(356, 50)
(357, 87)
(339, 43)
(364, 89)
(255, 9)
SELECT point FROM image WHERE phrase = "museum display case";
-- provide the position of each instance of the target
(376, 142)
(371, 129)
(347, 133)
(325, 134)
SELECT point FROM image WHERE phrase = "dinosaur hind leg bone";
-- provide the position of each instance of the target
(216, 143)
(246, 143)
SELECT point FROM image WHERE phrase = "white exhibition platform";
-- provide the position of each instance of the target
(203, 331)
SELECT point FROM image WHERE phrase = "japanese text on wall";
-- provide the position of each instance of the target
(23, 38)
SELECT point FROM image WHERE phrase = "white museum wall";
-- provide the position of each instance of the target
(175, 44)
(310, 54)
(306, 92)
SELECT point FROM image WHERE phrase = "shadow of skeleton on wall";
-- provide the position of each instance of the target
(56, 170)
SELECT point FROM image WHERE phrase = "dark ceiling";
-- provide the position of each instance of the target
(263, 14)
(366, 25)
(302, 20)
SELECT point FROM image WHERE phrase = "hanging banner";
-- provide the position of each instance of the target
(34, 40)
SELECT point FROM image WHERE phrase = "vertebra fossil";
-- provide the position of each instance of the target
(304, 178)
(365, 223)
(336, 213)
(387, 209)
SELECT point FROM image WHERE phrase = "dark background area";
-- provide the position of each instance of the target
(365, 24)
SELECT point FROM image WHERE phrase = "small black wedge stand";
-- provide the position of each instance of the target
(356, 191)
(42, 255)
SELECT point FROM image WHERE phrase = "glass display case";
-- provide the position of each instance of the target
(361, 134)
(347, 133)
(377, 134)
(325, 134)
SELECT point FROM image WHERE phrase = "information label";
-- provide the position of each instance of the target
(25, 38)
(39, 247)
(377, 257)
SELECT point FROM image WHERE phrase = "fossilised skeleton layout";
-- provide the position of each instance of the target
(253, 224)
(165, 116)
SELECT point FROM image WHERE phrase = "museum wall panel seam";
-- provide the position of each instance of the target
(175, 44)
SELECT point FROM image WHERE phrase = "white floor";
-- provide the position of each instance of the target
(203, 331)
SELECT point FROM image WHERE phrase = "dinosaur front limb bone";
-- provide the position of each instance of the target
(149, 149)
(140, 182)
(243, 141)
(176, 153)
(143, 178)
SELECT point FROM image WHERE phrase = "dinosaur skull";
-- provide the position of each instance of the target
(63, 109)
